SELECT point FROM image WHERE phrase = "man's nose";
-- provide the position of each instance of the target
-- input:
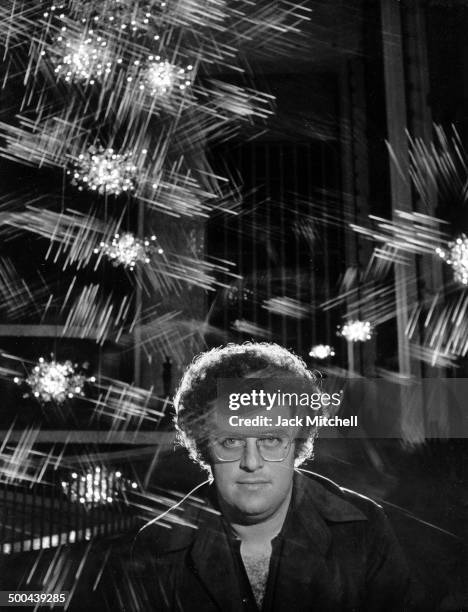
(251, 459)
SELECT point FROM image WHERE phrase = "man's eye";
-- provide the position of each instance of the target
(231, 442)
(271, 442)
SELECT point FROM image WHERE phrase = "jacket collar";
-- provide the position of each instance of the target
(326, 497)
(319, 502)
(316, 505)
(316, 502)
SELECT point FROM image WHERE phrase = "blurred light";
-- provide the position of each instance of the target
(54, 381)
(104, 171)
(98, 486)
(457, 257)
(126, 16)
(81, 56)
(236, 293)
(128, 250)
(322, 351)
(356, 331)
(160, 77)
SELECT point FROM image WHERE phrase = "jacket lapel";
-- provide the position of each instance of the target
(305, 576)
(213, 563)
(200, 531)
(305, 542)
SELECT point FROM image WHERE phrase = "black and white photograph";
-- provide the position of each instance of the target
(234, 305)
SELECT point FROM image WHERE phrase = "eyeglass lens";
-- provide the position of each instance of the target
(271, 448)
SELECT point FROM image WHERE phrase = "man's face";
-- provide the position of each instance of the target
(252, 488)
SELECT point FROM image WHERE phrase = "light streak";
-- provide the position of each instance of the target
(286, 306)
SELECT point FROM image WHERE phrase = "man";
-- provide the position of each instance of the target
(261, 535)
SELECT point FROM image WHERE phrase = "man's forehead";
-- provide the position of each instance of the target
(277, 409)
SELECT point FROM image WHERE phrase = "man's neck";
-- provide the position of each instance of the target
(264, 530)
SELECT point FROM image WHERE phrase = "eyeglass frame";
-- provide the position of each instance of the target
(257, 439)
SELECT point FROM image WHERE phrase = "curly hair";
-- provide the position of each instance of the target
(197, 391)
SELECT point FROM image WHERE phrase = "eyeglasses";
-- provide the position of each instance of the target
(270, 448)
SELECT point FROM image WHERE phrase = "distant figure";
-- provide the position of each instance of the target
(167, 376)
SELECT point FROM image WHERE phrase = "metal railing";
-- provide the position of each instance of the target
(66, 507)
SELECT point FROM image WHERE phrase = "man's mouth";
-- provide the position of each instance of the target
(252, 482)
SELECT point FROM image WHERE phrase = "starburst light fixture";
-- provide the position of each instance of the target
(356, 331)
(105, 171)
(457, 258)
(98, 486)
(81, 57)
(322, 351)
(160, 77)
(54, 381)
(128, 250)
(127, 16)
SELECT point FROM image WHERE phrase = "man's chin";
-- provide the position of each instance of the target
(253, 508)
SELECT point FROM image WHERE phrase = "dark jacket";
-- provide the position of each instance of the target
(336, 552)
